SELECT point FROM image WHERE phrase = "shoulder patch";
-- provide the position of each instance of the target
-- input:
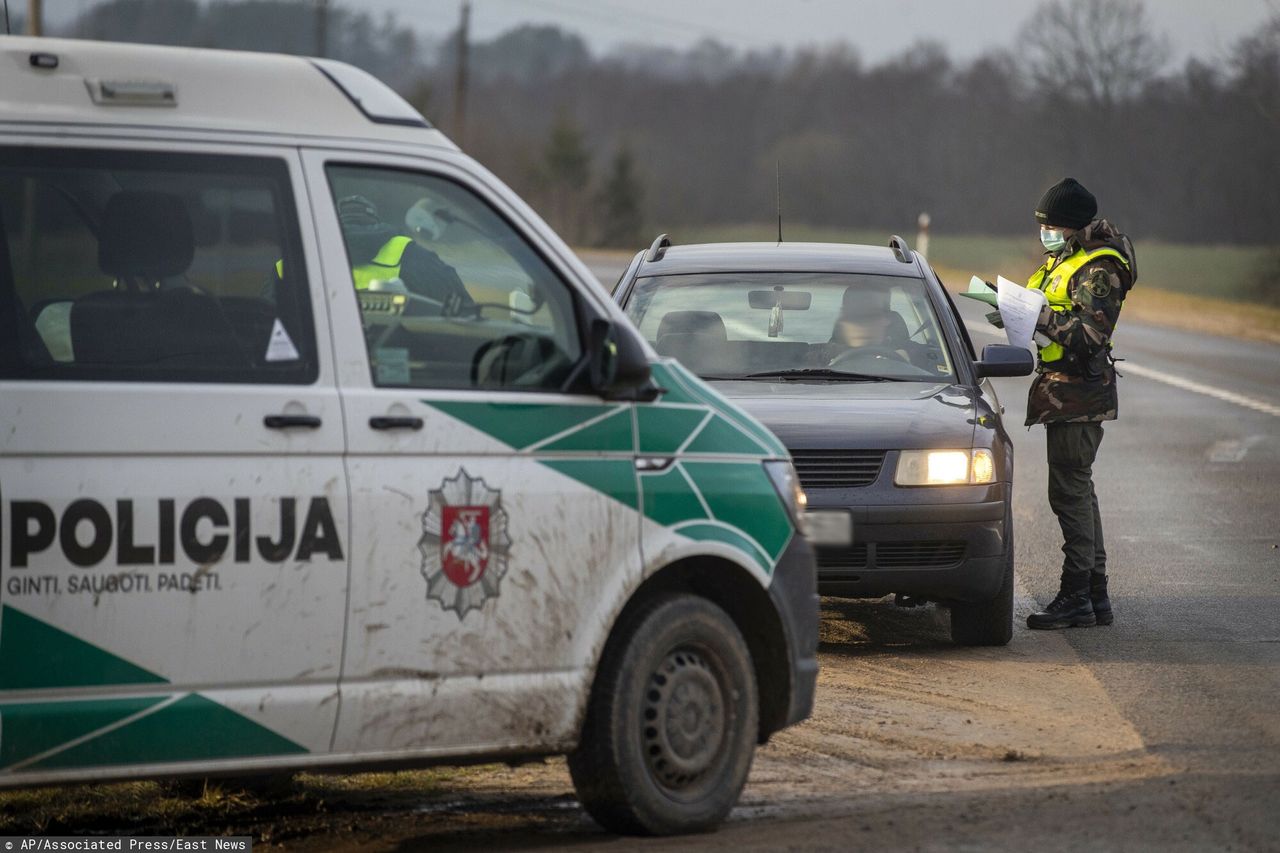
(1099, 284)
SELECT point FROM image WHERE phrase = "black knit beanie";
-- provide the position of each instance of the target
(1067, 204)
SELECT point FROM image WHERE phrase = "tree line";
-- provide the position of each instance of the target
(643, 139)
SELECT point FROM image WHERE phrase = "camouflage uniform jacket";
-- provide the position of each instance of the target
(1081, 386)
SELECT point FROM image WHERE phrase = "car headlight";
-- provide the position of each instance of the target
(945, 467)
(787, 483)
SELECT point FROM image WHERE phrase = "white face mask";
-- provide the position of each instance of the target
(1052, 239)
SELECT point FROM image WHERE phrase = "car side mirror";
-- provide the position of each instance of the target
(618, 367)
(1005, 360)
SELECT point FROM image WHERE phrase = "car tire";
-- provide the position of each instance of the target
(988, 623)
(672, 721)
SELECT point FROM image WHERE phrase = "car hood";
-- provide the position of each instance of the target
(865, 415)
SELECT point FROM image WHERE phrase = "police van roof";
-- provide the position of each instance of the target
(68, 81)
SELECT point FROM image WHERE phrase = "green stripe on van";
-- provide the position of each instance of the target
(669, 499)
(665, 375)
(191, 729)
(611, 435)
(520, 425)
(720, 436)
(742, 496)
(664, 429)
(31, 728)
(36, 655)
(700, 392)
(614, 477)
(705, 531)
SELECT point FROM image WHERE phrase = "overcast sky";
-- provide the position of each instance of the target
(877, 28)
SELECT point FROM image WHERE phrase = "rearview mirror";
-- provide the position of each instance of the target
(1005, 360)
(788, 300)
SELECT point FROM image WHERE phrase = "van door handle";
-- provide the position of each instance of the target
(287, 421)
(387, 422)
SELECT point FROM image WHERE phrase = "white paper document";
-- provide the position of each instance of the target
(1019, 309)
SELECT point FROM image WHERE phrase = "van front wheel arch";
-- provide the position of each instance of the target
(671, 724)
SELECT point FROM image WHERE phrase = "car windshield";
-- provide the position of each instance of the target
(793, 325)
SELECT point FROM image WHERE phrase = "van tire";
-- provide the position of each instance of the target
(671, 723)
(988, 623)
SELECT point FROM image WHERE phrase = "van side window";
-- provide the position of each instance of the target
(151, 267)
(451, 296)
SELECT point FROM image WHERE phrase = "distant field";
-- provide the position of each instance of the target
(1216, 272)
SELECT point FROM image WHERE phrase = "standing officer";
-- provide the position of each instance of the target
(1089, 270)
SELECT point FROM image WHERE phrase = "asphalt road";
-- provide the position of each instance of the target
(1189, 484)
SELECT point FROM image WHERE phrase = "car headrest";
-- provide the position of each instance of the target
(145, 234)
(700, 353)
(707, 323)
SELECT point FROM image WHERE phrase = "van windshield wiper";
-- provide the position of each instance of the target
(818, 373)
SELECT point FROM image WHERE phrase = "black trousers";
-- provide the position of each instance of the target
(1072, 449)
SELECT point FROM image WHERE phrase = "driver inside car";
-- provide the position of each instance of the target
(867, 326)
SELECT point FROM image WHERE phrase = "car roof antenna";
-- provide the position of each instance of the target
(8, 28)
(778, 196)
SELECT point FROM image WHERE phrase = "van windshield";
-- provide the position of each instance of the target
(793, 324)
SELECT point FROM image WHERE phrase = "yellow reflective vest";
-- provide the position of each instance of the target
(1054, 278)
(385, 264)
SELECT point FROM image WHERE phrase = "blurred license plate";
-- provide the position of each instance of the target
(829, 528)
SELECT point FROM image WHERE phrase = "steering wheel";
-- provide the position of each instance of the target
(879, 360)
(868, 354)
(515, 361)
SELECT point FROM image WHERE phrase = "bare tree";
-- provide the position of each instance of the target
(1256, 62)
(1099, 51)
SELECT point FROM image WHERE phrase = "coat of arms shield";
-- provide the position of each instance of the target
(464, 544)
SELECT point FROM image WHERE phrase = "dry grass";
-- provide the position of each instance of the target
(217, 806)
(1205, 314)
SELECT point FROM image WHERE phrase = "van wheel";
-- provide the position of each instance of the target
(671, 723)
(988, 623)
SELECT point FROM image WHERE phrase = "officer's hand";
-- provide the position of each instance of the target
(995, 319)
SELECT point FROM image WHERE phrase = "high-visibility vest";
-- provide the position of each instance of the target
(385, 264)
(1057, 288)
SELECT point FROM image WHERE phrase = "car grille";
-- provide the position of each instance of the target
(842, 559)
(918, 555)
(890, 555)
(837, 469)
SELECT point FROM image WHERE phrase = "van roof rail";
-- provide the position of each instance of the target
(900, 249)
(658, 249)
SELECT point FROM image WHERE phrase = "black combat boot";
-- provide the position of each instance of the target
(1098, 596)
(1071, 608)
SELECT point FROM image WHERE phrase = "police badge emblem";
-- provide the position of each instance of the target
(464, 543)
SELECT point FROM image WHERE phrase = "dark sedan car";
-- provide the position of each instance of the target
(857, 360)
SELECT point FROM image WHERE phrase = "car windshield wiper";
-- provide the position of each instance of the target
(819, 373)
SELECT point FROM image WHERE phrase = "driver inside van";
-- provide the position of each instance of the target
(379, 252)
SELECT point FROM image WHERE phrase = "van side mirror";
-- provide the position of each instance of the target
(1005, 360)
(617, 365)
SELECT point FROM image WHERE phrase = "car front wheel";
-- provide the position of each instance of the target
(672, 721)
(988, 623)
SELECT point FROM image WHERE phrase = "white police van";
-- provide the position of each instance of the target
(319, 450)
